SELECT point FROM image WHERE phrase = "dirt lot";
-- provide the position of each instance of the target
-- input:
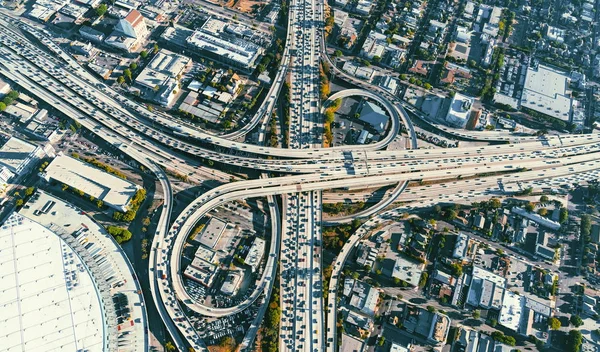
(246, 6)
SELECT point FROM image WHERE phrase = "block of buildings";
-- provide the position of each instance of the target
(114, 191)
(160, 78)
(364, 298)
(212, 40)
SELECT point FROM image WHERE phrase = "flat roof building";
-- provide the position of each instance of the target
(112, 190)
(459, 110)
(164, 72)
(408, 271)
(212, 41)
(212, 232)
(232, 283)
(255, 254)
(16, 157)
(545, 91)
(512, 308)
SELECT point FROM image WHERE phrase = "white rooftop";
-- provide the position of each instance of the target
(47, 297)
(510, 314)
(255, 253)
(15, 152)
(112, 268)
(109, 188)
(545, 91)
(460, 108)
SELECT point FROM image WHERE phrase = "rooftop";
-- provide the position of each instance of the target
(545, 91)
(109, 188)
(256, 252)
(15, 152)
(49, 300)
(212, 232)
(510, 314)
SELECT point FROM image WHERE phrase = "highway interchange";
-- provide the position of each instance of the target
(151, 139)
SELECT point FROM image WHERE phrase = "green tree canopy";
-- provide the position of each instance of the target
(101, 10)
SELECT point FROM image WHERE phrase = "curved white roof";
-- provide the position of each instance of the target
(47, 297)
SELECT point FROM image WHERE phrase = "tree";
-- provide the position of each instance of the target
(574, 341)
(456, 269)
(495, 203)
(554, 323)
(133, 65)
(2, 106)
(337, 53)
(451, 215)
(430, 309)
(576, 320)
(19, 202)
(563, 215)
(476, 314)
(101, 10)
(127, 73)
(423, 280)
(544, 199)
(329, 116)
(530, 207)
(170, 347)
(144, 54)
(427, 86)
(120, 79)
(29, 191)
(543, 211)
(155, 48)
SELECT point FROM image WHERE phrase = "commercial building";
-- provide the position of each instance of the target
(17, 157)
(364, 298)
(112, 190)
(459, 110)
(91, 34)
(545, 222)
(48, 298)
(407, 270)
(129, 32)
(255, 254)
(373, 115)
(212, 40)
(4, 88)
(486, 289)
(122, 299)
(232, 283)
(545, 91)
(160, 78)
(211, 232)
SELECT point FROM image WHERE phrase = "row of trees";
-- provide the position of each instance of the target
(134, 205)
(101, 165)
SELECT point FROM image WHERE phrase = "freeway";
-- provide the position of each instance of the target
(540, 168)
(303, 316)
(469, 191)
